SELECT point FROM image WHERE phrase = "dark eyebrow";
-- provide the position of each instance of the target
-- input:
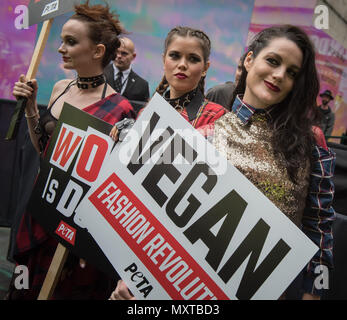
(190, 54)
(67, 37)
(280, 58)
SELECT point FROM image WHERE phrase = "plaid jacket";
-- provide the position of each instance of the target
(208, 113)
(319, 215)
(112, 109)
(205, 117)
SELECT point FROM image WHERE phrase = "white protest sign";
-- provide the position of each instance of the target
(177, 221)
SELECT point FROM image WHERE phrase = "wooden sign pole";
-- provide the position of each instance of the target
(33, 67)
(53, 273)
(40, 46)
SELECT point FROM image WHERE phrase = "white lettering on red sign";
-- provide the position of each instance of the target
(68, 142)
(66, 232)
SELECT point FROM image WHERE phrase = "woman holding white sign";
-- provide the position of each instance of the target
(186, 61)
(89, 41)
(271, 137)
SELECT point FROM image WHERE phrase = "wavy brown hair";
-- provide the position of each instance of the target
(104, 27)
(292, 118)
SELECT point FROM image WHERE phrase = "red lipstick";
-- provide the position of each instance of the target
(272, 86)
(181, 76)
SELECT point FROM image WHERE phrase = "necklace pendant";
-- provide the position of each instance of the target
(179, 108)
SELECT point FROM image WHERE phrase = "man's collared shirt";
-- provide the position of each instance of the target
(124, 77)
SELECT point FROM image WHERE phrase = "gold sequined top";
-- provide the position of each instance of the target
(244, 137)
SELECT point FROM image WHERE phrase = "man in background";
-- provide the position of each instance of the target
(120, 76)
(327, 116)
(223, 93)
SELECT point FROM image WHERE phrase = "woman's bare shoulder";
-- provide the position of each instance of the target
(61, 85)
(58, 88)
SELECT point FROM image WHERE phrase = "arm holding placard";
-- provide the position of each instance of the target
(26, 91)
(121, 292)
(121, 128)
(33, 67)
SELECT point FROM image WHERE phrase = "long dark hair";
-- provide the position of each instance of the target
(292, 118)
(205, 46)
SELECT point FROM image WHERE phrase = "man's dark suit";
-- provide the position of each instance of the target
(136, 91)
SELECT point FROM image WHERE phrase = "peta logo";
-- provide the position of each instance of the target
(66, 232)
(50, 7)
(142, 283)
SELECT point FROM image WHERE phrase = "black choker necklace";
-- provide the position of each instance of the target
(93, 82)
(181, 102)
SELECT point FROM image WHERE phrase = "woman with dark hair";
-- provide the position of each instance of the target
(89, 41)
(270, 136)
(186, 61)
